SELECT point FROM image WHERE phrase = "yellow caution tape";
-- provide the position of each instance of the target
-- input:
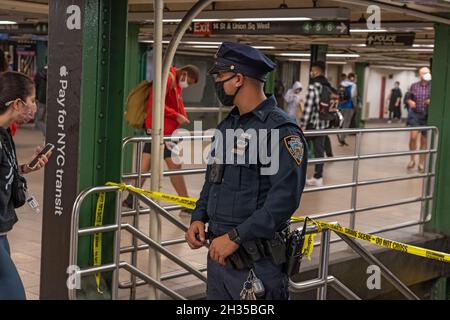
(98, 237)
(383, 242)
(181, 201)
(308, 245)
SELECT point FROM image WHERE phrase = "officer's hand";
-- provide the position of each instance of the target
(221, 248)
(195, 236)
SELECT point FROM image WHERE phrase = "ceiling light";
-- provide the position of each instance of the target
(264, 47)
(420, 50)
(4, 22)
(423, 45)
(202, 42)
(333, 55)
(299, 60)
(217, 45)
(205, 47)
(151, 41)
(271, 19)
(343, 55)
(294, 54)
(395, 68)
(307, 60)
(367, 30)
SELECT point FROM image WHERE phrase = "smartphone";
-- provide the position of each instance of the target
(47, 149)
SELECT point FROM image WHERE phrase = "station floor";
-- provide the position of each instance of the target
(25, 238)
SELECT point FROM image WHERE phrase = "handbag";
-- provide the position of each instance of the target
(18, 190)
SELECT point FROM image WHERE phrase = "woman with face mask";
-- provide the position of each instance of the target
(17, 104)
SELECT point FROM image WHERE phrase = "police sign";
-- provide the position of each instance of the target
(384, 39)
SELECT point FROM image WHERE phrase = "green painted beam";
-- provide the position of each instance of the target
(101, 116)
(439, 115)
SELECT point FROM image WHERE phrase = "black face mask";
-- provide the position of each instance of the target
(226, 99)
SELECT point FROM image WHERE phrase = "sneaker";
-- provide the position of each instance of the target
(314, 182)
(186, 213)
(411, 164)
(128, 203)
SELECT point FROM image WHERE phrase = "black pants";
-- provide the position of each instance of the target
(319, 151)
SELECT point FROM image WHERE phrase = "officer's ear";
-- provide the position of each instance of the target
(239, 79)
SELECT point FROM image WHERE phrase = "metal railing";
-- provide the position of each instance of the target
(321, 283)
(324, 280)
(116, 228)
(356, 158)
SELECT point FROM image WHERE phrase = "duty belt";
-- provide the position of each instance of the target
(254, 250)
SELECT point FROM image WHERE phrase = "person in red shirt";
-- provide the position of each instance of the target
(174, 116)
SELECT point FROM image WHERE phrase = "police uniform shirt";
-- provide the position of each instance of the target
(257, 205)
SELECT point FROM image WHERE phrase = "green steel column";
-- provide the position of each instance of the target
(439, 115)
(133, 74)
(360, 68)
(41, 54)
(318, 53)
(85, 120)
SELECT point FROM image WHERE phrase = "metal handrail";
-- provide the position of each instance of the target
(320, 283)
(76, 232)
(324, 279)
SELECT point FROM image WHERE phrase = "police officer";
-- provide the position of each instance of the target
(242, 201)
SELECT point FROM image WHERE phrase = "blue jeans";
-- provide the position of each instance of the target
(11, 286)
(225, 283)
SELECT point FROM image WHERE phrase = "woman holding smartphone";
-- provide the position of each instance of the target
(17, 104)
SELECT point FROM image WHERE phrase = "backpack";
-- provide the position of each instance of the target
(328, 106)
(136, 106)
(345, 94)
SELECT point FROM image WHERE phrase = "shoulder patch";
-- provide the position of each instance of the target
(294, 145)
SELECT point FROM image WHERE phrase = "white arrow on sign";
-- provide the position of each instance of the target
(342, 28)
(370, 40)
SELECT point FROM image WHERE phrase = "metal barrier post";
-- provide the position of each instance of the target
(355, 179)
(134, 254)
(154, 259)
(115, 278)
(426, 182)
(323, 264)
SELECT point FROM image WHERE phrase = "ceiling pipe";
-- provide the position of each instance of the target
(24, 7)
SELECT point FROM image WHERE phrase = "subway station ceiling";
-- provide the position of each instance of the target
(405, 16)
